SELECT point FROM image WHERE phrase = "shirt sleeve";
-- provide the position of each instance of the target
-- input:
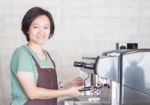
(22, 61)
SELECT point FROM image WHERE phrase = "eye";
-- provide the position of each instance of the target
(35, 27)
(46, 27)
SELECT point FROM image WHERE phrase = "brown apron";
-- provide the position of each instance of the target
(47, 78)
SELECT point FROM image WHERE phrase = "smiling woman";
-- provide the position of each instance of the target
(33, 72)
(39, 30)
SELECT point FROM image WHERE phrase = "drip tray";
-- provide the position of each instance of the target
(85, 100)
(81, 103)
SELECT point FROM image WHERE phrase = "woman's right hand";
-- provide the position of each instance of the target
(73, 91)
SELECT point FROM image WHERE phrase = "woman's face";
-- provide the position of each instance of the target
(39, 30)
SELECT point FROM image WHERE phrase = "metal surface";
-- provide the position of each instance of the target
(124, 76)
(107, 67)
(136, 78)
(131, 70)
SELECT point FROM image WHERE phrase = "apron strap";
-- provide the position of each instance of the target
(50, 59)
(28, 51)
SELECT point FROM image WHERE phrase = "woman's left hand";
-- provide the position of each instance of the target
(77, 81)
(73, 82)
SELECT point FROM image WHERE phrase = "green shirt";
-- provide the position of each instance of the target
(22, 61)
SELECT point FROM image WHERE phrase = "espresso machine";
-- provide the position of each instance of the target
(117, 77)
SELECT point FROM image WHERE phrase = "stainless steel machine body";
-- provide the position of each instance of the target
(130, 72)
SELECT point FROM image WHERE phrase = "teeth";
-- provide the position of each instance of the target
(41, 37)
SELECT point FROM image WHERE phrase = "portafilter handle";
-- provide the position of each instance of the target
(84, 65)
(79, 64)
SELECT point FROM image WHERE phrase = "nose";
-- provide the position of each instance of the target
(41, 30)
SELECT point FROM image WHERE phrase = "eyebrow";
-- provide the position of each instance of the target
(39, 24)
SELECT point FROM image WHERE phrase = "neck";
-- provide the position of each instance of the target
(36, 48)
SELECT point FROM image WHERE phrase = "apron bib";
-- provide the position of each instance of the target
(47, 78)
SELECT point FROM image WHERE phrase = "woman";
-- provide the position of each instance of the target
(34, 79)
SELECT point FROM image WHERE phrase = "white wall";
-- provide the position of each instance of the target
(83, 28)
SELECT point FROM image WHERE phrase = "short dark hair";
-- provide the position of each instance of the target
(31, 15)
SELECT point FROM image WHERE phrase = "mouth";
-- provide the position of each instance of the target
(41, 37)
